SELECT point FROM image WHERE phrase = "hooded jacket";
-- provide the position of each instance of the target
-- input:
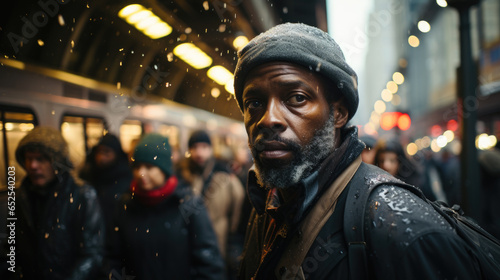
(59, 227)
(111, 182)
(406, 238)
(59, 232)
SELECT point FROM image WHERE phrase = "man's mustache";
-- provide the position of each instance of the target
(261, 141)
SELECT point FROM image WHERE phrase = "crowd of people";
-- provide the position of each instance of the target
(279, 216)
(142, 216)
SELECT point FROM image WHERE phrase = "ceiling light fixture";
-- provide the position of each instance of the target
(192, 55)
(145, 21)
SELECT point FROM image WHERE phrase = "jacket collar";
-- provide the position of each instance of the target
(308, 190)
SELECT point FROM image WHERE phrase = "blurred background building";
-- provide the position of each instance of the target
(411, 66)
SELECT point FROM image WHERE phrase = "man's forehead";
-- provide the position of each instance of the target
(279, 66)
(33, 153)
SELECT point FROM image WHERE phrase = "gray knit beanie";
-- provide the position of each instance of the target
(304, 45)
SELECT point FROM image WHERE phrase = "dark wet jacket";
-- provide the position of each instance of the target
(59, 231)
(110, 184)
(171, 240)
(406, 238)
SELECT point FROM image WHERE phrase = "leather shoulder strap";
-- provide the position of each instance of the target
(290, 264)
(367, 179)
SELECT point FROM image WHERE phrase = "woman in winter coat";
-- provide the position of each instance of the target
(160, 230)
(107, 170)
(391, 157)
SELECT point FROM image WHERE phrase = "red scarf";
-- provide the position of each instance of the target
(155, 196)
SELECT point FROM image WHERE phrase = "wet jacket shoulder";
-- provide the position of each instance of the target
(173, 238)
(65, 240)
(406, 239)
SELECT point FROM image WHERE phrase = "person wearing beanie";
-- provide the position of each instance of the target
(220, 190)
(309, 187)
(368, 153)
(107, 170)
(159, 229)
(59, 226)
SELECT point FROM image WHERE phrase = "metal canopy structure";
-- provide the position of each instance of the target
(88, 39)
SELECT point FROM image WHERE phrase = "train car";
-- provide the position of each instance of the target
(84, 110)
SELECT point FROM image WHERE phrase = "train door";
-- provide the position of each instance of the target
(81, 133)
(173, 134)
(130, 133)
(15, 123)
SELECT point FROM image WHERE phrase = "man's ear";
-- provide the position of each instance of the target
(341, 114)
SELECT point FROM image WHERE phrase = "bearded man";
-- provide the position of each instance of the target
(297, 94)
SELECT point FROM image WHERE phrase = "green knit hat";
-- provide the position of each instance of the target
(154, 149)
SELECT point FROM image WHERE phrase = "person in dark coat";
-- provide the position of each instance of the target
(391, 157)
(221, 191)
(59, 226)
(161, 231)
(368, 153)
(297, 93)
(107, 170)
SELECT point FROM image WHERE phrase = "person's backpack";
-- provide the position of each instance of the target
(485, 247)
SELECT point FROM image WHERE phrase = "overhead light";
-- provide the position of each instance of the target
(220, 75)
(379, 106)
(192, 55)
(145, 21)
(424, 26)
(157, 30)
(413, 41)
(392, 87)
(386, 95)
(215, 92)
(442, 3)
(240, 41)
(230, 86)
(129, 10)
(398, 78)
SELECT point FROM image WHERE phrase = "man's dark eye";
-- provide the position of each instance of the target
(296, 99)
(252, 104)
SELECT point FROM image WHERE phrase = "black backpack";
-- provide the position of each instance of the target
(484, 245)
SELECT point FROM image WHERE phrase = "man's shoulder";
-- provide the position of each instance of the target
(81, 188)
(221, 167)
(401, 215)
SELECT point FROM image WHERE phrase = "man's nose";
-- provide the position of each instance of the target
(140, 171)
(32, 164)
(273, 118)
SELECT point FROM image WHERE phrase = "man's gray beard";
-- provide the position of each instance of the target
(306, 159)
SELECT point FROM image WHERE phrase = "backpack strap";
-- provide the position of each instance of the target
(290, 264)
(357, 197)
(365, 181)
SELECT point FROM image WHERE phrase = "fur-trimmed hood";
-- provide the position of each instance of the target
(49, 142)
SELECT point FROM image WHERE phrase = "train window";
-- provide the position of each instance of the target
(173, 134)
(170, 131)
(15, 123)
(81, 134)
(130, 133)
